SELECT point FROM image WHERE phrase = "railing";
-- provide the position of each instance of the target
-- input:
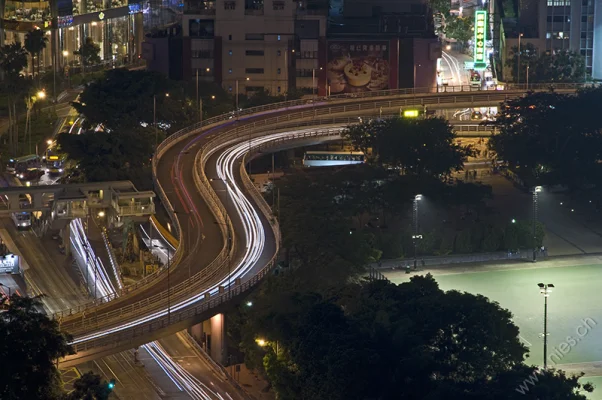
(310, 114)
(196, 282)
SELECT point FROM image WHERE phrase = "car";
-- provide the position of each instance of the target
(30, 174)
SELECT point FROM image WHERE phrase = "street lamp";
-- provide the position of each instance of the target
(168, 284)
(536, 191)
(237, 95)
(313, 80)
(416, 236)
(545, 289)
(155, 119)
(518, 67)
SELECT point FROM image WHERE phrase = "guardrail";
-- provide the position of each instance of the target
(193, 284)
(310, 113)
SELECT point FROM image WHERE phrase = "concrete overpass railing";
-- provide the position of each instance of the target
(93, 319)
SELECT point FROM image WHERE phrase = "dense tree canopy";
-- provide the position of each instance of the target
(103, 156)
(561, 66)
(416, 146)
(13, 59)
(383, 341)
(459, 28)
(31, 343)
(89, 52)
(552, 138)
(125, 99)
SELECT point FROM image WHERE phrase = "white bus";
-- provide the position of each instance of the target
(22, 220)
(332, 158)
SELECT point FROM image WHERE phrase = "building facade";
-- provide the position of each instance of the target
(114, 25)
(277, 45)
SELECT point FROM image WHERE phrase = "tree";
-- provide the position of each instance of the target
(89, 52)
(13, 59)
(383, 341)
(459, 28)
(440, 6)
(563, 131)
(423, 147)
(125, 99)
(89, 387)
(104, 156)
(31, 343)
(561, 66)
(35, 42)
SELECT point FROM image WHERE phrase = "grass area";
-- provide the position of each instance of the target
(577, 297)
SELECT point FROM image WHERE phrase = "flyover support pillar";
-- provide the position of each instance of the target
(211, 335)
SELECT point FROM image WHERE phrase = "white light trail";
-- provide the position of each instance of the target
(251, 224)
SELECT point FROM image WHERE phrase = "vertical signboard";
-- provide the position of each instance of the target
(358, 66)
(480, 36)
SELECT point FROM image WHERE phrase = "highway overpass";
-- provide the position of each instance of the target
(228, 236)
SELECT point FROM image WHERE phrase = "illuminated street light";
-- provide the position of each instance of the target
(416, 236)
(101, 214)
(536, 191)
(545, 289)
(41, 94)
(261, 342)
(49, 142)
(249, 303)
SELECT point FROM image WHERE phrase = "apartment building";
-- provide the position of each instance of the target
(254, 44)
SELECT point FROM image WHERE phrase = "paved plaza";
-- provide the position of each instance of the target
(574, 307)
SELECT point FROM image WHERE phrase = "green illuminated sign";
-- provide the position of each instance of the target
(480, 36)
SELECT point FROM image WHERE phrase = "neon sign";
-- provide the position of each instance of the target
(480, 36)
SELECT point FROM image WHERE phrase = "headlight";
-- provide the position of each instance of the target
(23, 223)
(60, 170)
(21, 176)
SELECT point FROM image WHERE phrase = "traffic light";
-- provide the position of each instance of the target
(111, 384)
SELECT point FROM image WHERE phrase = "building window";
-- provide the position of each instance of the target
(278, 53)
(254, 36)
(304, 73)
(278, 5)
(254, 70)
(201, 54)
(229, 88)
(229, 52)
(230, 5)
(548, 35)
(254, 53)
(229, 37)
(279, 89)
(278, 37)
(229, 70)
(279, 71)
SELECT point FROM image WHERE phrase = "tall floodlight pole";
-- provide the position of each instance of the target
(416, 236)
(536, 191)
(545, 289)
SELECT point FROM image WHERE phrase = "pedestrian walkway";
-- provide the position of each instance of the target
(397, 276)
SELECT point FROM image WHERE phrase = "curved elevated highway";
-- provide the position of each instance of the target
(228, 238)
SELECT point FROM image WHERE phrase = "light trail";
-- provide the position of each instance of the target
(183, 379)
(251, 222)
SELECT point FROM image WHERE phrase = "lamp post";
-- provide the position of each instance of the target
(518, 67)
(155, 119)
(237, 96)
(536, 191)
(416, 236)
(199, 101)
(313, 80)
(527, 76)
(168, 284)
(545, 289)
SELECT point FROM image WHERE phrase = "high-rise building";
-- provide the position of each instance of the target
(552, 25)
(320, 46)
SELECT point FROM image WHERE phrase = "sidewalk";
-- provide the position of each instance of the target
(398, 276)
(251, 383)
